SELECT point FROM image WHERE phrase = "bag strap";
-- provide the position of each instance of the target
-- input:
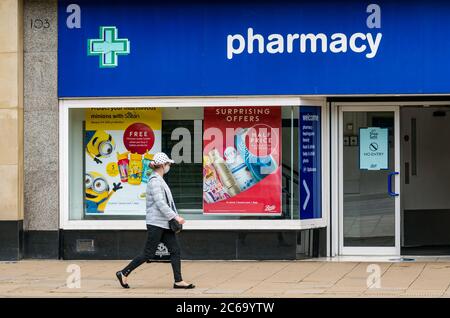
(167, 198)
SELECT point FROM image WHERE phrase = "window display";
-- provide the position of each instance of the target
(241, 168)
(253, 173)
(118, 142)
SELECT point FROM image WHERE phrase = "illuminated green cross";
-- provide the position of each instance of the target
(108, 47)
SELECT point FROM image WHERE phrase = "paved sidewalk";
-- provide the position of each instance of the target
(228, 279)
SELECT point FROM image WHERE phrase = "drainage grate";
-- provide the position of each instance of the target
(85, 245)
(402, 259)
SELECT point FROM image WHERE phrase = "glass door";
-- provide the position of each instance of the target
(368, 181)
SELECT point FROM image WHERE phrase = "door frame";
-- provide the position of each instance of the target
(387, 251)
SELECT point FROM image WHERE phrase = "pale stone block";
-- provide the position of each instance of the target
(9, 73)
(9, 193)
(9, 123)
(9, 25)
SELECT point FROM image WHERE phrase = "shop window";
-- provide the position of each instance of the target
(98, 191)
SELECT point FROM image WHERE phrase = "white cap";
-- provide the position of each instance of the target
(161, 158)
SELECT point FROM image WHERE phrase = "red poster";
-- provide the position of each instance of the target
(241, 160)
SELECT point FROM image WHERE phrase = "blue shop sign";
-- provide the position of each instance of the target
(200, 48)
(310, 185)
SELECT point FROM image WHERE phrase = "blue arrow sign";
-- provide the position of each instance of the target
(310, 162)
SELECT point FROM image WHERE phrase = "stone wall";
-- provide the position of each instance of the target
(41, 116)
(11, 129)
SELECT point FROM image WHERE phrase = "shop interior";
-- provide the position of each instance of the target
(425, 180)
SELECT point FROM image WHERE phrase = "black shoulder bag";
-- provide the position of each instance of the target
(175, 225)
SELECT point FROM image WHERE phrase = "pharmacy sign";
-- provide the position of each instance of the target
(108, 47)
(237, 48)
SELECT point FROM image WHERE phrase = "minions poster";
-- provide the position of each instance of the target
(119, 144)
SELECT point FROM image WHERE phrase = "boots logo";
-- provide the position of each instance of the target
(108, 47)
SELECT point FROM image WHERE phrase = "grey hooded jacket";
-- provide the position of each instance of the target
(159, 212)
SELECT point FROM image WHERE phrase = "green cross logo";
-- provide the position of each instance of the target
(108, 47)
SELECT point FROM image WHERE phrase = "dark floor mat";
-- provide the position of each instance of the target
(426, 250)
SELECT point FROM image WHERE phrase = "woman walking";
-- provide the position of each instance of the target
(160, 210)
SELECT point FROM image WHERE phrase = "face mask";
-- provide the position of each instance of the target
(166, 169)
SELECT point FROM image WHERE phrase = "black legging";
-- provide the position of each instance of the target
(155, 235)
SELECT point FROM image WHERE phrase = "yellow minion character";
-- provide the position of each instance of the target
(100, 145)
(97, 192)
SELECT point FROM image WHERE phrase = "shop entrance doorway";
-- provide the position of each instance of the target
(368, 181)
(425, 180)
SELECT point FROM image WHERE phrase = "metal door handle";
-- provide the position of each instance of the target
(390, 175)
